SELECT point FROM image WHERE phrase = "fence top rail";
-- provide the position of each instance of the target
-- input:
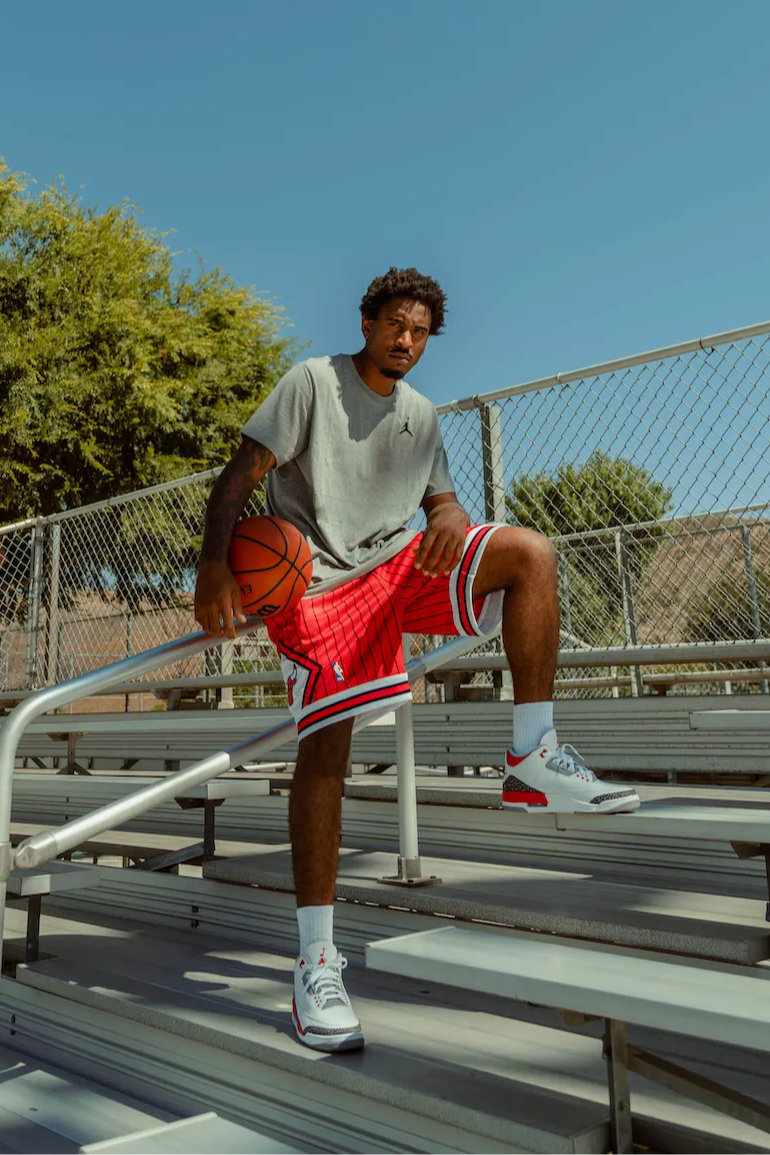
(108, 502)
(674, 519)
(477, 400)
(705, 344)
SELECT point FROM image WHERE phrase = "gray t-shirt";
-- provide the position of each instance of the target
(352, 467)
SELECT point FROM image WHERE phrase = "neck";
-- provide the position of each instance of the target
(371, 375)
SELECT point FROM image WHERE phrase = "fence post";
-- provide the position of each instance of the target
(52, 632)
(33, 606)
(129, 648)
(756, 621)
(494, 497)
(629, 619)
(492, 463)
(566, 607)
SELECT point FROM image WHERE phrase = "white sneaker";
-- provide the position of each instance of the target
(321, 1010)
(552, 777)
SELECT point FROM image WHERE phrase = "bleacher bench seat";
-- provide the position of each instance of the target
(584, 983)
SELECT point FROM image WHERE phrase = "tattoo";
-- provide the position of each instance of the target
(231, 491)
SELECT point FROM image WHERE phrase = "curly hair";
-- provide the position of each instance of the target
(406, 283)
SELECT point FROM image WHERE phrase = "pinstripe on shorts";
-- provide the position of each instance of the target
(342, 652)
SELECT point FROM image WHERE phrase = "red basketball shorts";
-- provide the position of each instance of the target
(342, 652)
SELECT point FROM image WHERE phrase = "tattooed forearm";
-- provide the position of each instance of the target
(231, 491)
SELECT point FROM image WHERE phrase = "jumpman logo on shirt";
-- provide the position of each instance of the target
(406, 429)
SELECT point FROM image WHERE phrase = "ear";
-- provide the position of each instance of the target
(366, 326)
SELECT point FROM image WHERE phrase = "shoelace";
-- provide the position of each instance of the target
(326, 980)
(566, 760)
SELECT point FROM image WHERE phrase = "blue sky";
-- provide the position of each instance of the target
(586, 179)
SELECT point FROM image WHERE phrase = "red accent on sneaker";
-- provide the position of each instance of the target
(322, 959)
(527, 796)
(514, 759)
(296, 1017)
(301, 963)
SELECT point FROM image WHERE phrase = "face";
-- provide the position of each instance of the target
(396, 339)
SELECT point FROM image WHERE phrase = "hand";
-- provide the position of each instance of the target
(442, 543)
(217, 600)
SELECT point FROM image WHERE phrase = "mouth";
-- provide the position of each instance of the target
(399, 356)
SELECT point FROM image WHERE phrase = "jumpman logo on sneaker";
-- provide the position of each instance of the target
(406, 429)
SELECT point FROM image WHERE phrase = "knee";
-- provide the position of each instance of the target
(531, 554)
(538, 552)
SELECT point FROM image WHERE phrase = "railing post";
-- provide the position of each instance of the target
(409, 865)
(629, 619)
(33, 606)
(756, 621)
(494, 495)
(53, 631)
(226, 657)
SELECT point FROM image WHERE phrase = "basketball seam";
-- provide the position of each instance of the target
(271, 549)
(281, 557)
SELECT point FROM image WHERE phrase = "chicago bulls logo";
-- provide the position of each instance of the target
(291, 682)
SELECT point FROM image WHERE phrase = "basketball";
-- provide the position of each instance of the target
(270, 560)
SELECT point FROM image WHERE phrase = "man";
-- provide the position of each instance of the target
(350, 452)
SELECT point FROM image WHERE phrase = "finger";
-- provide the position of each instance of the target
(457, 556)
(451, 559)
(227, 616)
(202, 617)
(428, 539)
(446, 562)
(210, 622)
(238, 605)
(433, 560)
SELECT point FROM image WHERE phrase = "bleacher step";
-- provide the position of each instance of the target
(442, 1070)
(45, 1109)
(199, 1011)
(560, 902)
(199, 1135)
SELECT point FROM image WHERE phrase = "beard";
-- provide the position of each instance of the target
(392, 374)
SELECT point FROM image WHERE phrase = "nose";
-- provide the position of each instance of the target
(405, 340)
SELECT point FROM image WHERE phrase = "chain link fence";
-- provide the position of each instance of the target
(647, 473)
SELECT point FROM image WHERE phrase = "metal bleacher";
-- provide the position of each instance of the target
(525, 972)
(158, 975)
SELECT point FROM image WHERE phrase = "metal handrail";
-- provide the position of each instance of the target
(48, 844)
(53, 697)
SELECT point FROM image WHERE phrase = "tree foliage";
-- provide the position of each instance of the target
(604, 493)
(116, 371)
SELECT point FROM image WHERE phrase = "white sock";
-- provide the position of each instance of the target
(531, 722)
(316, 924)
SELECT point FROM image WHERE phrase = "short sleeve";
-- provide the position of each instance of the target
(440, 480)
(282, 422)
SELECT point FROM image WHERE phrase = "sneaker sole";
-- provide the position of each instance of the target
(352, 1041)
(573, 806)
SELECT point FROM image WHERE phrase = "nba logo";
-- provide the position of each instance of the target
(337, 668)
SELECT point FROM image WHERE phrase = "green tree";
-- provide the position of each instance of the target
(116, 372)
(603, 493)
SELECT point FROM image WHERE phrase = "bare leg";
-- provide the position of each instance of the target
(523, 563)
(315, 812)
